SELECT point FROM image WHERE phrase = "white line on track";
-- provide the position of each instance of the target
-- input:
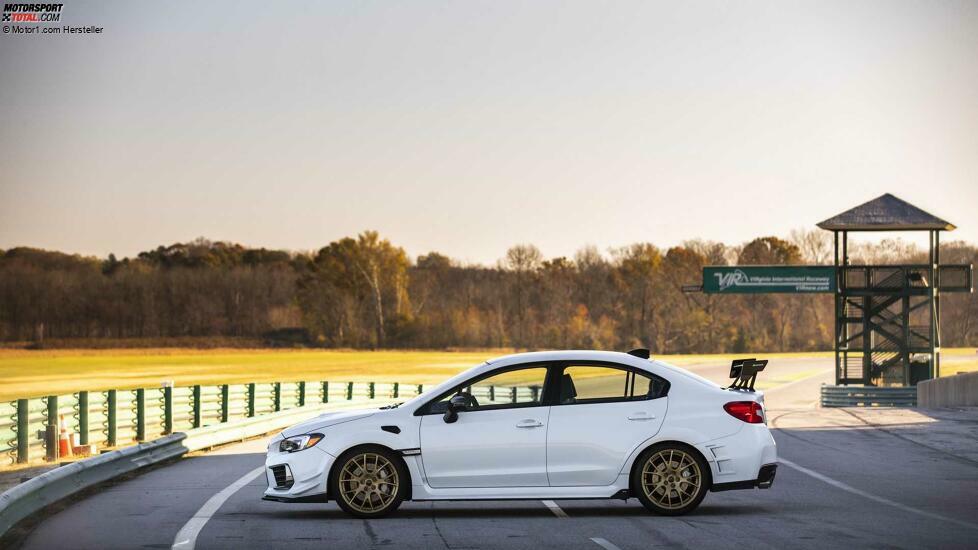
(849, 488)
(603, 543)
(186, 539)
(554, 508)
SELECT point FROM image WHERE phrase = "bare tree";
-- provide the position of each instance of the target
(815, 245)
(523, 260)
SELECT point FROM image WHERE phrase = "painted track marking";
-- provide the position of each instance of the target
(554, 508)
(186, 538)
(603, 543)
(849, 488)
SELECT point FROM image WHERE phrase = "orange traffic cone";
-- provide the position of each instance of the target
(64, 439)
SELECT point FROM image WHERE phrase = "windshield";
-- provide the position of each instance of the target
(430, 390)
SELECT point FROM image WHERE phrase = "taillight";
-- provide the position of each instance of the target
(750, 412)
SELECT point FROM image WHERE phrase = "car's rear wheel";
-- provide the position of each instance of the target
(670, 479)
(369, 482)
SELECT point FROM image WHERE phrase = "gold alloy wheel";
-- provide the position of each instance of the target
(368, 482)
(671, 478)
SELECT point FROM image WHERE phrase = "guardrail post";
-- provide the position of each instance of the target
(168, 409)
(277, 396)
(23, 438)
(371, 390)
(196, 406)
(52, 410)
(251, 400)
(420, 388)
(225, 402)
(396, 390)
(492, 393)
(140, 414)
(302, 394)
(325, 391)
(349, 390)
(110, 402)
(51, 432)
(83, 417)
(512, 394)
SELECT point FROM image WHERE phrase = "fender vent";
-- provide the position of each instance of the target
(391, 429)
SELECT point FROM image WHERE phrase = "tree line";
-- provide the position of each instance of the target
(365, 292)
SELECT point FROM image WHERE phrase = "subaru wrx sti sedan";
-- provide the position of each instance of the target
(542, 425)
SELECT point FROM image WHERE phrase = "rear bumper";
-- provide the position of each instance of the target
(736, 460)
(765, 479)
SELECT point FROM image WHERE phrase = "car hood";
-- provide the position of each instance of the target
(326, 420)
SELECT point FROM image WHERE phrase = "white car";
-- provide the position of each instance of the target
(542, 425)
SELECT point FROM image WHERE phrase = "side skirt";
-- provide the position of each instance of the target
(618, 490)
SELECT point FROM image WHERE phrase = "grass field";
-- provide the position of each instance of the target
(35, 373)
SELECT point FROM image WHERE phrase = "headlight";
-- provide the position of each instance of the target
(298, 443)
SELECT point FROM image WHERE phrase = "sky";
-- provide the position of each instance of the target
(468, 127)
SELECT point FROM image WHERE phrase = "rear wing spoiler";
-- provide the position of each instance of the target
(744, 372)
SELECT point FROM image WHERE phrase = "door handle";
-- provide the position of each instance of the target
(641, 416)
(529, 423)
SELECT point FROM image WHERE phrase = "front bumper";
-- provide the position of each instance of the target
(307, 475)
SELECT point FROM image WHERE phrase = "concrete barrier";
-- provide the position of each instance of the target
(960, 390)
(33, 495)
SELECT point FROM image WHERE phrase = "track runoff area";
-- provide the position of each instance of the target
(842, 480)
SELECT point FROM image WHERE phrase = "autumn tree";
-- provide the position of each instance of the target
(522, 260)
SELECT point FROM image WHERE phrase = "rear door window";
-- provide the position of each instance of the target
(605, 384)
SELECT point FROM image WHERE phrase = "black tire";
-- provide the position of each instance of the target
(662, 479)
(360, 481)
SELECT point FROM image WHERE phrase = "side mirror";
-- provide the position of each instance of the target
(455, 404)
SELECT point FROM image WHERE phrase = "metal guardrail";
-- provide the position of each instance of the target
(868, 396)
(115, 418)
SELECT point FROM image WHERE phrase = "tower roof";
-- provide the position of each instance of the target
(885, 213)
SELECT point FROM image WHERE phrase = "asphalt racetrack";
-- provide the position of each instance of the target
(850, 479)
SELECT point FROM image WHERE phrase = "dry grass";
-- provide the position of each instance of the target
(957, 367)
(35, 373)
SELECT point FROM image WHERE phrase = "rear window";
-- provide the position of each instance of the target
(689, 374)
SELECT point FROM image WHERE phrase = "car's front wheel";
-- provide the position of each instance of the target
(369, 482)
(670, 479)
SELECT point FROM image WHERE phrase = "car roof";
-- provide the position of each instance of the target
(568, 355)
(545, 356)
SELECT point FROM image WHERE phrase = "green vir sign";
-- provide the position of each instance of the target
(759, 279)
